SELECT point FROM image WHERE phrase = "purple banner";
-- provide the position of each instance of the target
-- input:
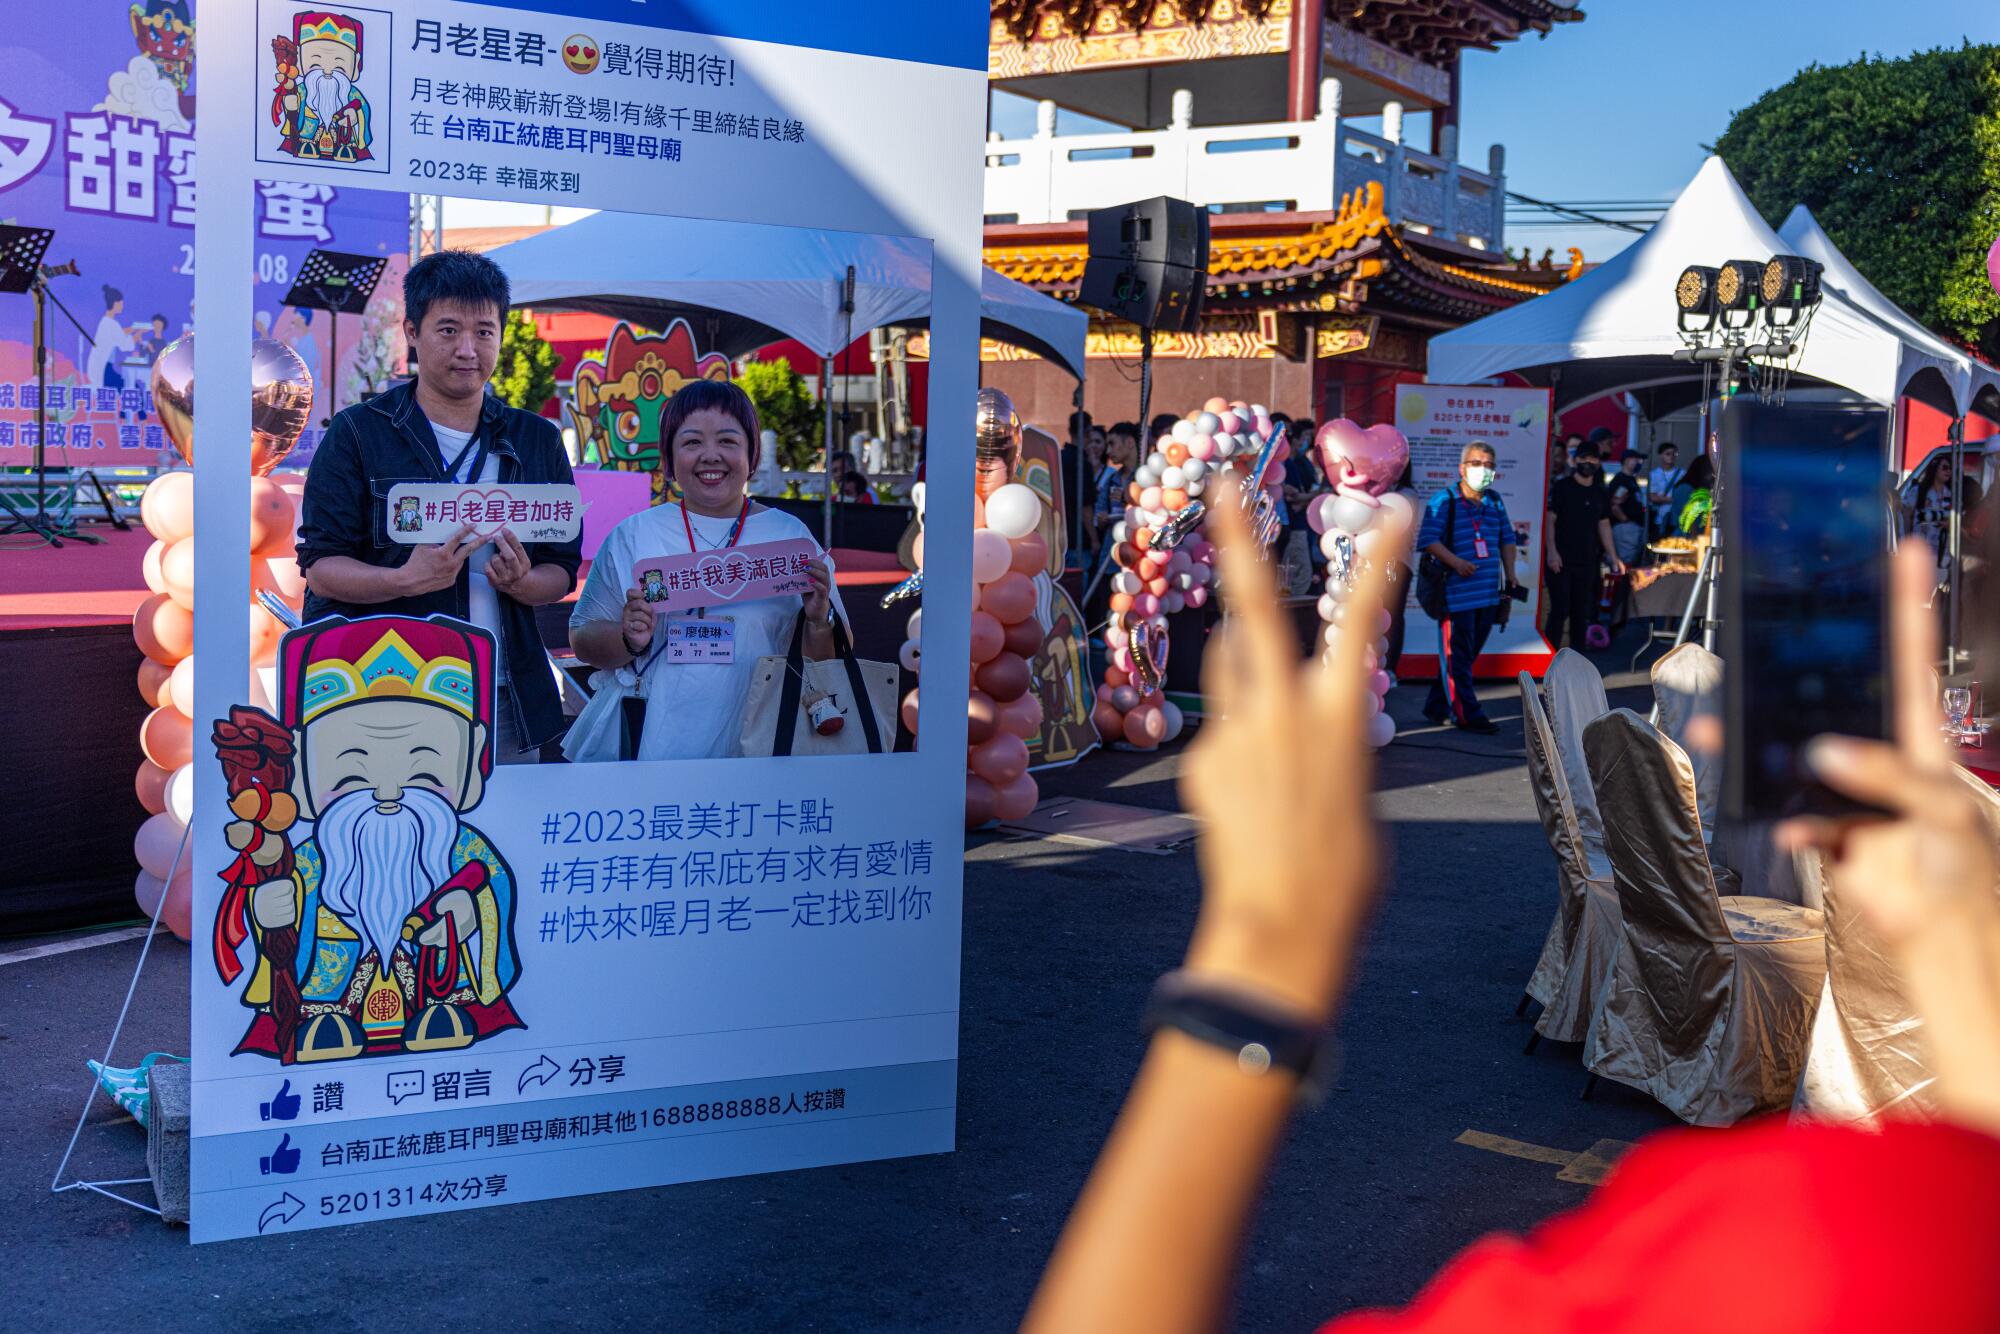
(97, 105)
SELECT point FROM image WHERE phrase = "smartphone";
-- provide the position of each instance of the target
(1807, 527)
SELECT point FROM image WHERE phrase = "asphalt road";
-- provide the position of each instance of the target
(1369, 1196)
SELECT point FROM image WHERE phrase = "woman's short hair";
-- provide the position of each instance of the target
(704, 396)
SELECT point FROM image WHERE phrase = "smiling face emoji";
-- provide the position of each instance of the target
(580, 53)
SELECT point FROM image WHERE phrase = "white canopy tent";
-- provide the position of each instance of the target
(742, 285)
(1614, 329)
(1964, 374)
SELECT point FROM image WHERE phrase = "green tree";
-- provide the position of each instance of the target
(1900, 162)
(786, 406)
(525, 375)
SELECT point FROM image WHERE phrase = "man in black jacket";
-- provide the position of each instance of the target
(444, 426)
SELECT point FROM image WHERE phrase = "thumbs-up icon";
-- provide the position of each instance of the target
(284, 1159)
(284, 1107)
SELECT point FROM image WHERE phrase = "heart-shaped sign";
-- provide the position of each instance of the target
(736, 576)
(484, 511)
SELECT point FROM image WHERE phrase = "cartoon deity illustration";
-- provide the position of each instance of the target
(164, 31)
(617, 403)
(653, 585)
(389, 926)
(409, 516)
(317, 102)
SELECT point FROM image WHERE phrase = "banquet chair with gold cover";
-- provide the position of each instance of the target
(1573, 695)
(1868, 1053)
(1687, 684)
(1584, 935)
(1709, 1006)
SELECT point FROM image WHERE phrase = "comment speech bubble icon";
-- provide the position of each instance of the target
(405, 1084)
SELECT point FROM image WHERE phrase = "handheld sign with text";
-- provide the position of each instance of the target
(713, 578)
(421, 513)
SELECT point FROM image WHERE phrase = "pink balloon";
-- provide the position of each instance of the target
(1379, 683)
(1121, 658)
(1146, 604)
(1231, 423)
(1022, 716)
(1016, 800)
(988, 637)
(1202, 447)
(1993, 264)
(1197, 596)
(1316, 512)
(1149, 499)
(1379, 458)
(1000, 759)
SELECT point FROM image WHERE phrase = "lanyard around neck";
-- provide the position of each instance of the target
(735, 531)
(478, 464)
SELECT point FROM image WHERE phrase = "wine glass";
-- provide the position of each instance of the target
(1957, 704)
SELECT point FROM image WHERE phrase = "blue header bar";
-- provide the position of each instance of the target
(930, 32)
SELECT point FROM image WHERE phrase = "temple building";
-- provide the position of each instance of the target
(1335, 252)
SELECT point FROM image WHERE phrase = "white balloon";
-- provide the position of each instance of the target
(1259, 410)
(1125, 581)
(180, 794)
(1397, 513)
(1201, 574)
(1207, 424)
(1145, 477)
(1118, 531)
(1375, 544)
(1172, 602)
(1339, 592)
(1194, 489)
(1340, 610)
(1329, 608)
(990, 555)
(909, 654)
(1157, 462)
(1344, 512)
(1329, 543)
(1371, 704)
(915, 628)
(1193, 469)
(1381, 730)
(1013, 511)
(917, 498)
(1174, 479)
(1184, 430)
(1381, 646)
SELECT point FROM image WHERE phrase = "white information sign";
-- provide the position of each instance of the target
(599, 976)
(1439, 420)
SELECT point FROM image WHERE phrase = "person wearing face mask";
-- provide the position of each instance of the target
(694, 709)
(1577, 531)
(1467, 528)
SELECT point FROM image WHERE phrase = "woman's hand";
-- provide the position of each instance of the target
(1925, 879)
(1280, 780)
(819, 600)
(636, 622)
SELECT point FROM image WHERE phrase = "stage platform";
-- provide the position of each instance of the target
(71, 712)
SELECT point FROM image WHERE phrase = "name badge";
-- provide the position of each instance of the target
(710, 639)
(1479, 545)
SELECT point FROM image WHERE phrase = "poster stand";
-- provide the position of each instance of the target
(339, 284)
(22, 271)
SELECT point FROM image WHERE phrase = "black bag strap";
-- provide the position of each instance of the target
(788, 695)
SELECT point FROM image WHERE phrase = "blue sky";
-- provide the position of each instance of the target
(1619, 106)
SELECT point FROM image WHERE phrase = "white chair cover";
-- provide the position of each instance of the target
(1709, 1008)
(1687, 684)
(1573, 693)
(1583, 938)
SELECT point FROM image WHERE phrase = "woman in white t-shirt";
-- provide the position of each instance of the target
(694, 708)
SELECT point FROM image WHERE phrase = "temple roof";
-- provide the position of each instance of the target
(1354, 260)
(1432, 30)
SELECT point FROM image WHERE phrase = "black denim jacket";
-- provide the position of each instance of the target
(371, 447)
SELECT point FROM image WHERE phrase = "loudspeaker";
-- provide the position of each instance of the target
(1150, 294)
(1148, 262)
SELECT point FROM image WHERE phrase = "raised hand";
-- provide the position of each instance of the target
(1281, 899)
(636, 622)
(432, 568)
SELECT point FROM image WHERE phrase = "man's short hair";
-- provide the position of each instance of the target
(721, 396)
(1670, 445)
(1589, 450)
(1477, 446)
(458, 276)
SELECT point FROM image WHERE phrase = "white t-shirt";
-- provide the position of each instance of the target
(485, 603)
(111, 339)
(694, 710)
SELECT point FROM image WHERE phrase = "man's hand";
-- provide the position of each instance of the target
(1555, 563)
(1460, 566)
(1617, 566)
(271, 904)
(432, 568)
(455, 905)
(637, 622)
(509, 566)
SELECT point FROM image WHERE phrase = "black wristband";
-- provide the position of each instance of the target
(1261, 1035)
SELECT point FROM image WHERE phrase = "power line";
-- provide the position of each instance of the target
(1574, 213)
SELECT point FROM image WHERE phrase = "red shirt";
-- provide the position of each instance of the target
(1768, 1228)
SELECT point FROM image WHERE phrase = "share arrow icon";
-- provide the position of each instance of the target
(541, 1072)
(282, 1210)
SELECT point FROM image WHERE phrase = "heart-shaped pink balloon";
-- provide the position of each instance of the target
(1374, 460)
(1331, 444)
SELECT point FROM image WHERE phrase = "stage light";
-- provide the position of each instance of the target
(1694, 295)
(1739, 288)
(1790, 288)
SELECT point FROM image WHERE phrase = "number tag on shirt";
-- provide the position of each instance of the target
(710, 639)
(1479, 545)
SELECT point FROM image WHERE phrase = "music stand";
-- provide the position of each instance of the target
(21, 252)
(339, 284)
